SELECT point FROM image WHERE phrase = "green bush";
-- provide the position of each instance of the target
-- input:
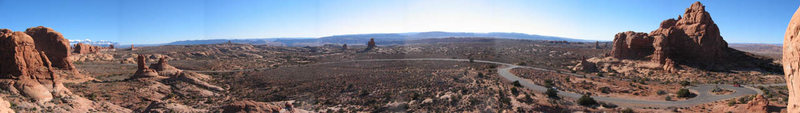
(668, 98)
(586, 100)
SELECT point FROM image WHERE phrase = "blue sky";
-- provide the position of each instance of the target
(161, 21)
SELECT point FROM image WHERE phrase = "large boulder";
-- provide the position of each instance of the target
(791, 62)
(53, 44)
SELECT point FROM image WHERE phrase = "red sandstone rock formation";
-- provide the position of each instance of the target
(693, 40)
(632, 45)
(250, 107)
(82, 48)
(371, 44)
(143, 71)
(24, 69)
(759, 104)
(163, 68)
(52, 43)
(791, 62)
(585, 66)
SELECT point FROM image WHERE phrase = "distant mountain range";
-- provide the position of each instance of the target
(102, 43)
(380, 38)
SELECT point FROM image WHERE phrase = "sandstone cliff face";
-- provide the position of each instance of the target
(693, 40)
(53, 44)
(26, 70)
(791, 62)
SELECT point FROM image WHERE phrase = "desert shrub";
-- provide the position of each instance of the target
(587, 100)
(566, 79)
(516, 83)
(605, 90)
(626, 110)
(745, 99)
(661, 92)
(684, 93)
(552, 93)
(668, 98)
(548, 83)
(685, 83)
(480, 75)
(514, 91)
(732, 102)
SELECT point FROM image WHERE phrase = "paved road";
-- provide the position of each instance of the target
(703, 91)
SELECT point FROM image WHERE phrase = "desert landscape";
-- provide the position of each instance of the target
(683, 65)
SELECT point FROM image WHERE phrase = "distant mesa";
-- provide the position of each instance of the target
(693, 40)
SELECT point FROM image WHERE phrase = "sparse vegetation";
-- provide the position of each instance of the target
(683, 93)
(587, 100)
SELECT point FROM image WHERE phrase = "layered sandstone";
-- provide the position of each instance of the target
(693, 40)
(791, 62)
(53, 44)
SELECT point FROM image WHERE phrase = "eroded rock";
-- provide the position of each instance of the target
(53, 44)
(791, 62)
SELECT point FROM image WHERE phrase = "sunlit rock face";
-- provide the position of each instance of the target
(791, 62)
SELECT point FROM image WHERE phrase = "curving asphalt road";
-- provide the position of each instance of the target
(703, 91)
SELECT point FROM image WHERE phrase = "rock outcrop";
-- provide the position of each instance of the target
(585, 66)
(163, 68)
(759, 104)
(82, 48)
(632, 45)
(692, 40)
(25, 70)
(143, 71)
(371, 44)
(53, 44)
(250, 107)
(791, 62)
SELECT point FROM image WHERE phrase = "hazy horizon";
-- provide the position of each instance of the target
(155, 22)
